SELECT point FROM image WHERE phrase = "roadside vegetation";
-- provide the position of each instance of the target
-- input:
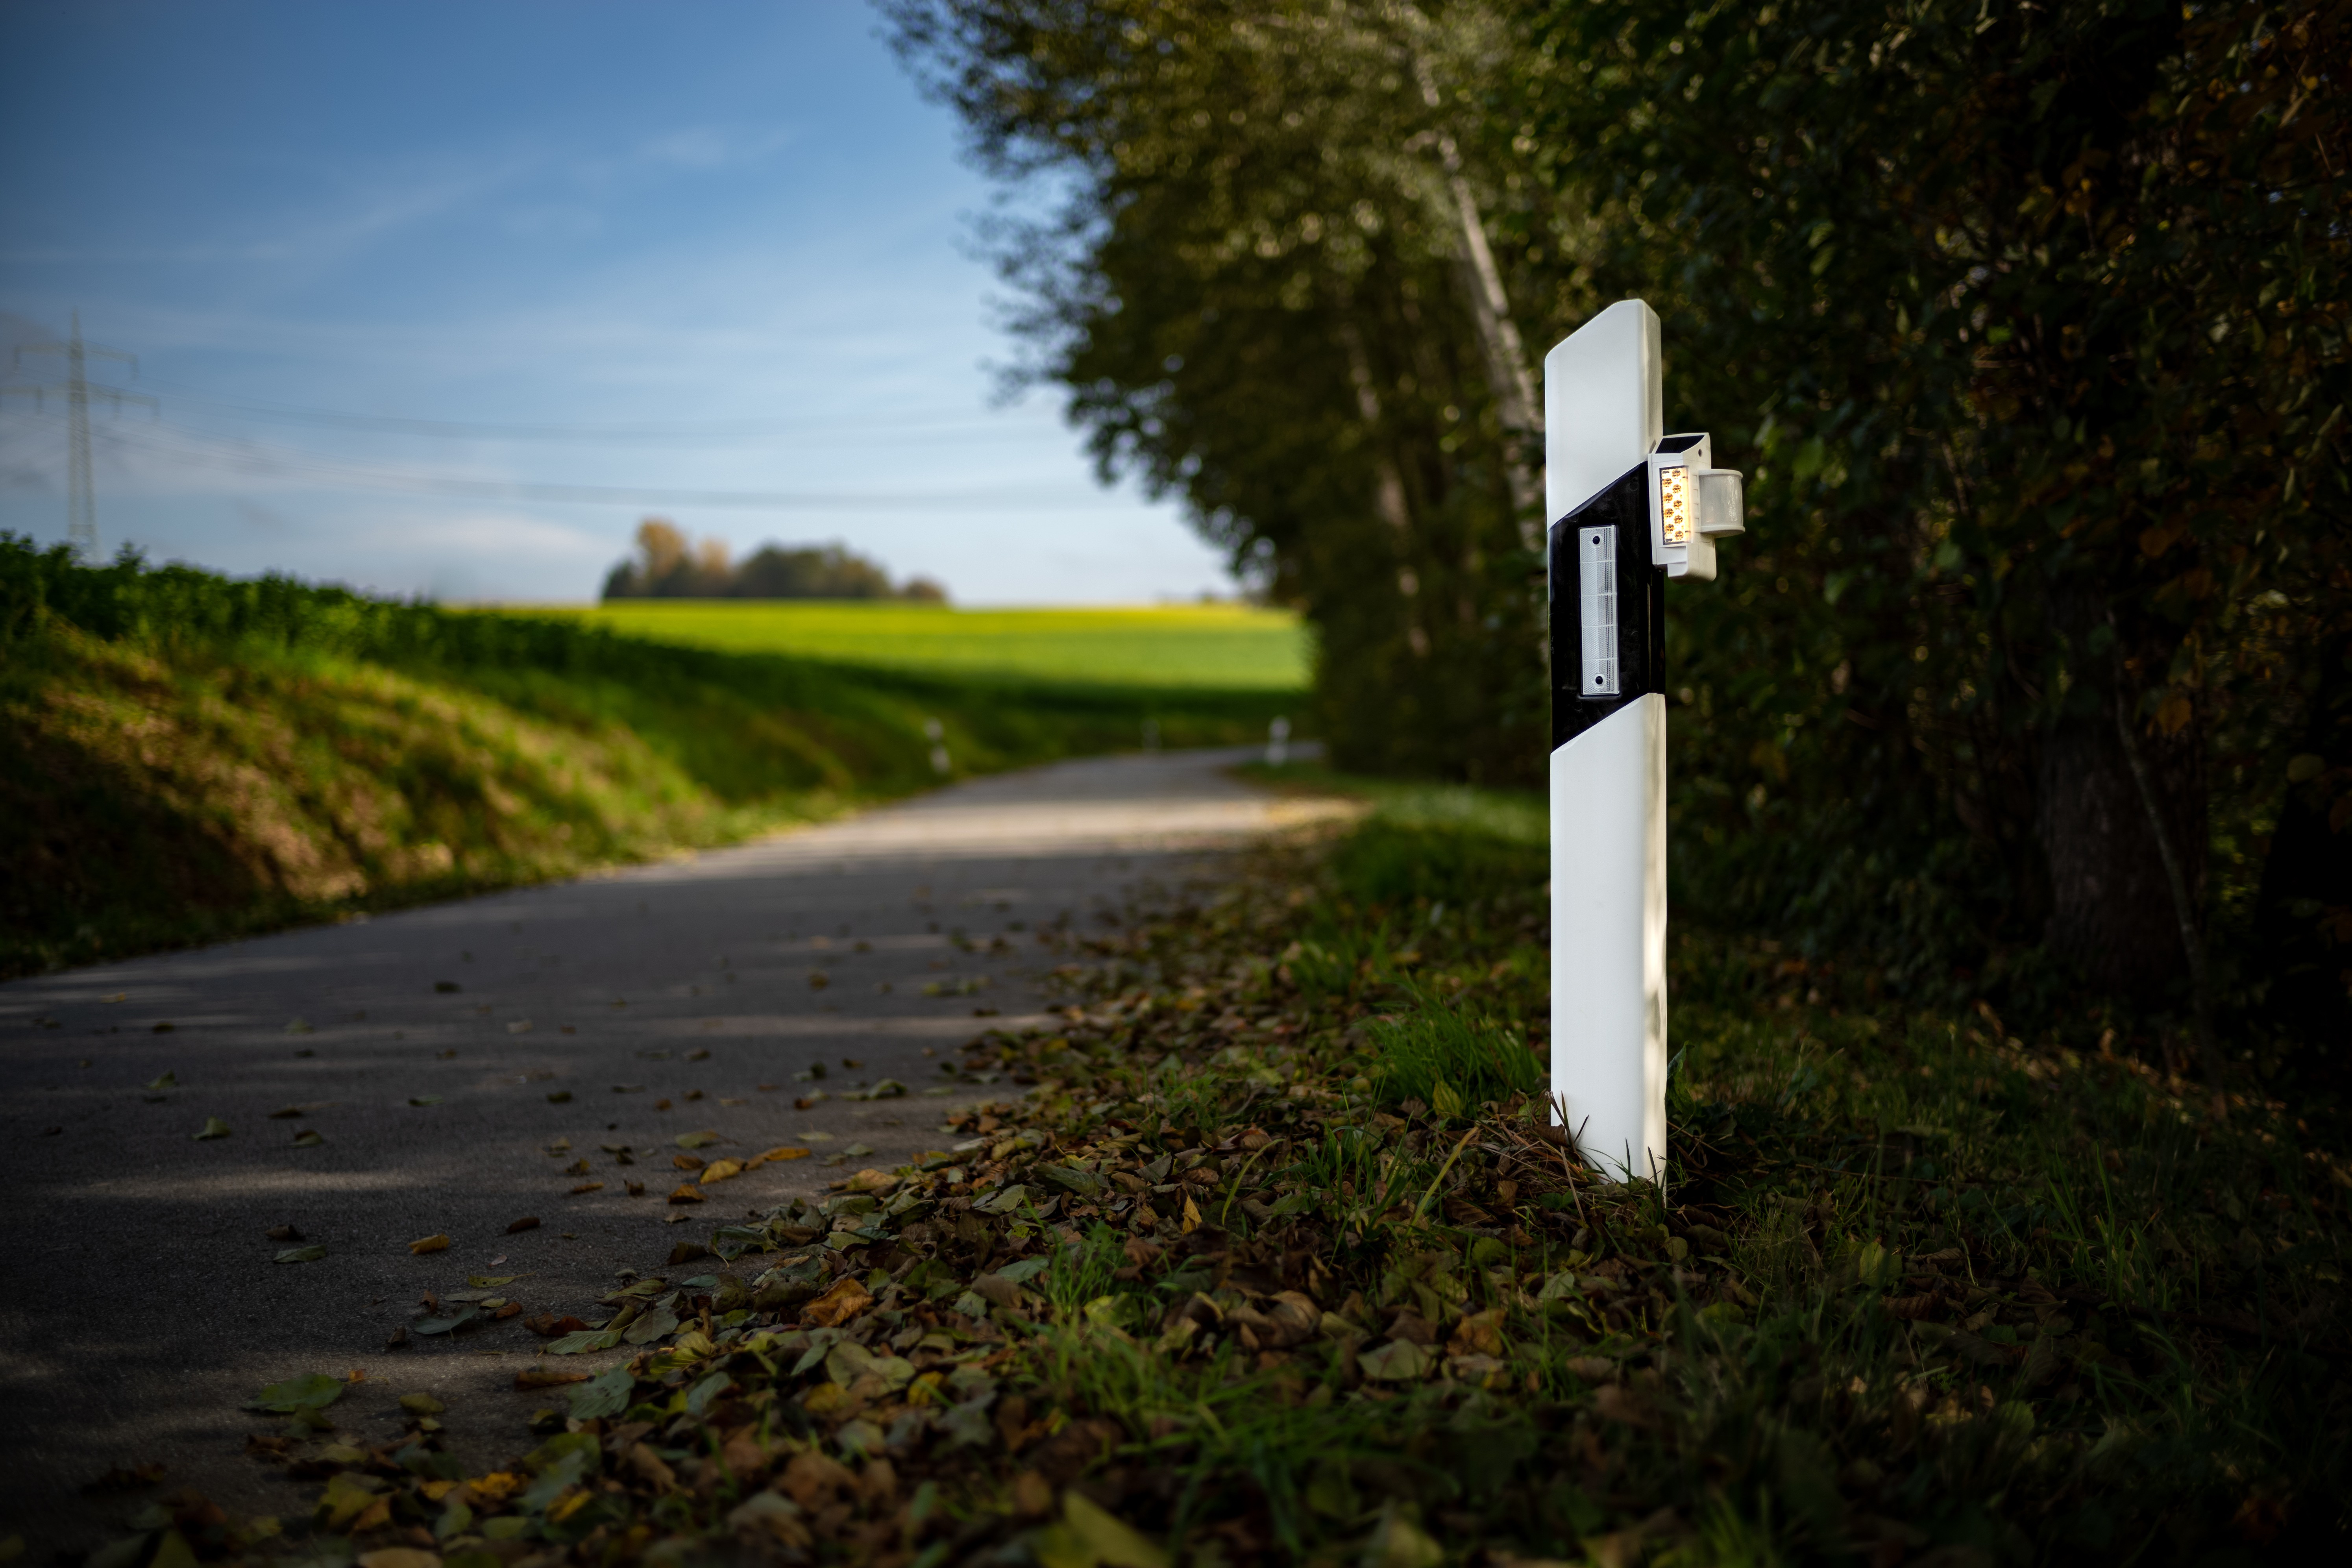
(1264, 1253)
(186, 758)
(2027, 326)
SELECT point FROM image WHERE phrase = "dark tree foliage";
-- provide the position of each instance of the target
(2028, 325)
(2033, 321)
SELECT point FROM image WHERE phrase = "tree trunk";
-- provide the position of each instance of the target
(1509, 381)
(2113, 913)
(2302, 915)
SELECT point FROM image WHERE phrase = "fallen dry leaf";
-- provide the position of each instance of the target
(686, 1195)
(1480, 1333)
(432, 1244)
(720, 1169)
(786, 1152)
(1619, 1404)
(998, 1290)
(587, 1187)
(527, 1222)
(398, 1557)
(744, 1457)
(843, 1301)
(648, 1465)
(687, 1162)
(813, 1478)
(533, 1378)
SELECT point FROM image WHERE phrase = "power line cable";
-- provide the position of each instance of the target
(692, 433)
(181, 443)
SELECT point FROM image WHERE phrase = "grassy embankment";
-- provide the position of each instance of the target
(1267, 1258)
(184, 758)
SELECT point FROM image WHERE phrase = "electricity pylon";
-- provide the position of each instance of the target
(82, 504)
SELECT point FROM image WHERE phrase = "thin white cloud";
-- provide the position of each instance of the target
(486, 536)
(790, 248)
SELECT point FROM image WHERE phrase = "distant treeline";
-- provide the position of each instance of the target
(669, 566)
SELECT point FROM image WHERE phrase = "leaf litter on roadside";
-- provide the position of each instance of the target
(1215, 1288)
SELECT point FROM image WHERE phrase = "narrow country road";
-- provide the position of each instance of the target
(441, 1054)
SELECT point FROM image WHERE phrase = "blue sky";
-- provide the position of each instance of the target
(445, 298)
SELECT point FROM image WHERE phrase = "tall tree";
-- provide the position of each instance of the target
(1269, 291)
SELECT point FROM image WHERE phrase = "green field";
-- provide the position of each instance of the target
(1216, 647)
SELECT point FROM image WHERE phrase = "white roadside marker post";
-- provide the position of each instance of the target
(1631, 507)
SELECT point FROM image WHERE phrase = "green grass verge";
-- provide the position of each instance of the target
(1232, 1280)
(1175, 646)
(184, 758)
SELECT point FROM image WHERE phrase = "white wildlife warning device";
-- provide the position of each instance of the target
(1631, 507)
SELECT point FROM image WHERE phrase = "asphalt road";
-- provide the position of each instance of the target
(441, 1053)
